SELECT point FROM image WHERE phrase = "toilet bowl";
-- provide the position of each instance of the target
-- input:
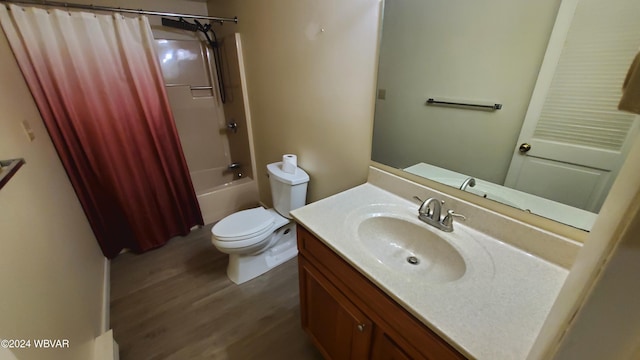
(259, 239)
(256, 240)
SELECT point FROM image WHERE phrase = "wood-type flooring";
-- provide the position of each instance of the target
(177, 303)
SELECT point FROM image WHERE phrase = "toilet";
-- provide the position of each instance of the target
(259, 239)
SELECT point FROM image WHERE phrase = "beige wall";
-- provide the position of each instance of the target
(487, 50)
(51, 269)
(611, 316)
(310, 92)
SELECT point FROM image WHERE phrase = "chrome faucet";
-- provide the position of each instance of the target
(468, 182)
(430, 211)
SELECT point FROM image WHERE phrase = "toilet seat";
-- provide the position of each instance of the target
(243, 225)
(243, 244)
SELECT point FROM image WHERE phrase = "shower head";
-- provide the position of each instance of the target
(180, 24)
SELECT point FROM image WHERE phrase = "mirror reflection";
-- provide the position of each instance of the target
(557, 67)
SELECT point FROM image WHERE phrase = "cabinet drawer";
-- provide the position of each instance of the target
(401, 327)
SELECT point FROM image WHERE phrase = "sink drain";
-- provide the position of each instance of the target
(413, 260)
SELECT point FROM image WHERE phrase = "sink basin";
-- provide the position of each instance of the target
(411, 249)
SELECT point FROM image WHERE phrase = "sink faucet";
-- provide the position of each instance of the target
(430, 210)
(468, 182)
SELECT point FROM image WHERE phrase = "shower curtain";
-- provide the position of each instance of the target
(99, 89)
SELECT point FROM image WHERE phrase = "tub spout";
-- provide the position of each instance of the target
(471, 182)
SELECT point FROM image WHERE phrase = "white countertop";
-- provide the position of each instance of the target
(494, 311)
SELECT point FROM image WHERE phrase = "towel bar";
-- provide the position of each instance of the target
(432, 101)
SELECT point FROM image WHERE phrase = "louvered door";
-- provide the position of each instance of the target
(574, 137)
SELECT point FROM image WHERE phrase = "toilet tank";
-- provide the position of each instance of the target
(288, 191)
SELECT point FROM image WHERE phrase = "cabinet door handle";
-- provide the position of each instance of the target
(361, 327)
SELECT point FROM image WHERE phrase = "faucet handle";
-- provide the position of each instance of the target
(448, 219)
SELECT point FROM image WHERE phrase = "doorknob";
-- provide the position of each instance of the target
(524, 147)
(233, 126)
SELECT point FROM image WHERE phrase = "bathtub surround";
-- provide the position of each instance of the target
(236, 108)
(311, 91)
(210, 146)
(113, 131)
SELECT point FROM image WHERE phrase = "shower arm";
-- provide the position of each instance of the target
(216, 56)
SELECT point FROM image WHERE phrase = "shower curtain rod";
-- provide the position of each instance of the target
(119, 9)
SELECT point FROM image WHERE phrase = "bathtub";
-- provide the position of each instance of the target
(219, 195)
(569, 215)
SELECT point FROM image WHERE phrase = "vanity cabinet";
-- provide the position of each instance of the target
(349, 317)
(334, 323)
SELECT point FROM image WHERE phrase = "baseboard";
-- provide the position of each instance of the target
(106, 347)
(106, 296)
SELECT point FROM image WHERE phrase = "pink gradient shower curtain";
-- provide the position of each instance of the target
(99, 89)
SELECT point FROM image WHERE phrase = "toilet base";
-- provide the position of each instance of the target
(243, 268)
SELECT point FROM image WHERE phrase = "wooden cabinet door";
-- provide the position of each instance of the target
(336, 326)
(384, 348)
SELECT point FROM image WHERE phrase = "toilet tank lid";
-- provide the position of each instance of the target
(299, 177)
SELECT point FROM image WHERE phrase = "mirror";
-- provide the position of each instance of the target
(556, 67)
(8, 168)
